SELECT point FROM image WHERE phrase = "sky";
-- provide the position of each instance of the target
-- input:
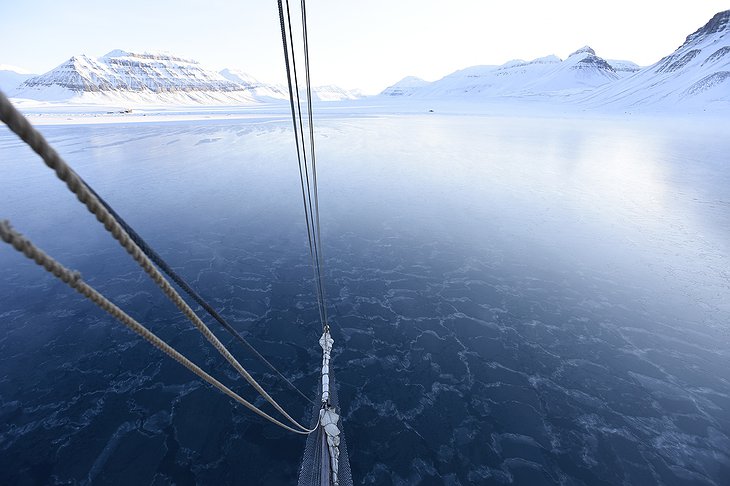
(367, 45)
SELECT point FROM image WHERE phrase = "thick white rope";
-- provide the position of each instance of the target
(328, 418)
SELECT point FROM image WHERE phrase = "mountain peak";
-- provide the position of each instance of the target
(706, 46)
(411, 82)
(15, 69)
(79, 58)
(405, 87)
(145, 56)
(116, 53)
(584, 50)
(253, 85)
(720, 22)
(240, 77)
(585, 58)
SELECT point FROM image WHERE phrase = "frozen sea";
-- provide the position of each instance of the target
(515, 300)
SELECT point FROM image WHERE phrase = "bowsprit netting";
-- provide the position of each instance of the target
(315, 468)
(325, 460)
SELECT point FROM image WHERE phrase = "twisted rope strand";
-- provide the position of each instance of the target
(73, 279)
(22, 127)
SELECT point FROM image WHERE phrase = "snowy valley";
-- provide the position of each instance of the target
(694, 78)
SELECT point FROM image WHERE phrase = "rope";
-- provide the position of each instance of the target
(162, 264)
(20, 125)
(73, 280)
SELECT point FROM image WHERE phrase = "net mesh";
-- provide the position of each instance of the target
(314, 469)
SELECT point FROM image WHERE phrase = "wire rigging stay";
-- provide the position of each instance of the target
(325, 459)
(320, 261)
(307, 174)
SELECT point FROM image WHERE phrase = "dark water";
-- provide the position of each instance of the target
(525, 301)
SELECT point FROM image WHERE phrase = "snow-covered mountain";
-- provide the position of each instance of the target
(152, 78)
(580, 71)
(281, 92)
(255, 86)
(696, 74)
(405, 87)
(121, 75)
(11, 77)
(623, 68)
(330, 92)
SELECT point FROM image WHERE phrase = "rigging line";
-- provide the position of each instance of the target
(299, 147)
(305, 37)
(315, 236)
(74, 280)
(294, 123)
(313, 209)
(301, 152)
(163, 265)
(302, 172)
(33, 138)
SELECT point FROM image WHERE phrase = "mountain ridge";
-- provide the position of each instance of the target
(123, 75)
(11, 77)
(581, 70)
(154, 77)
(695, 75)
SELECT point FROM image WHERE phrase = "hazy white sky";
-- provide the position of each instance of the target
(355, 44)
